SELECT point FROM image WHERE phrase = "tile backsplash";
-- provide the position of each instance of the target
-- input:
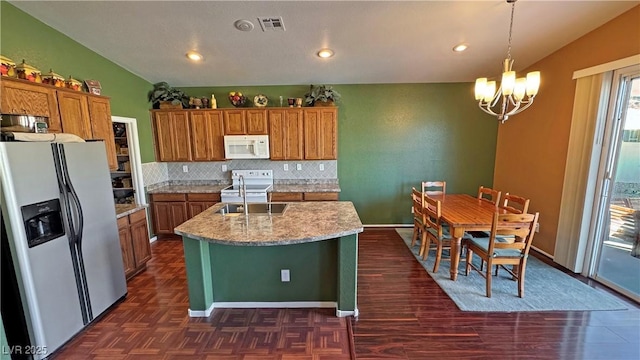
(157, 172)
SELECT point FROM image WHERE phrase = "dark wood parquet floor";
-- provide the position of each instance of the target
(152, 323)
(403, 315)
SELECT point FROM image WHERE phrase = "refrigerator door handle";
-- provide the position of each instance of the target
(78, 236)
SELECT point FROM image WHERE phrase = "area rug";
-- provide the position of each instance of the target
(546, 288)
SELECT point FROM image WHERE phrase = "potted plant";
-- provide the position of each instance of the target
(321, 95)
(164, 96)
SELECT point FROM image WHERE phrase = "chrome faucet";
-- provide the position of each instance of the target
(242, 191)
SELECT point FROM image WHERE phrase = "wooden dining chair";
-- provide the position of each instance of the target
(435, 231)
(418, 216)
(497, 251)
(434, 187)
(489, 195)
(515, 204)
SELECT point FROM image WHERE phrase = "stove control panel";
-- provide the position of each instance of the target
(252, 174)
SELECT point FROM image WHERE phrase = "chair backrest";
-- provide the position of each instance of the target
(489, 195)
(515, 204)
(417, 198)
(434, 187)
(522, 226)
(432, 212)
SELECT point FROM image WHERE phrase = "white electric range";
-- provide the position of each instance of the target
(258, 183)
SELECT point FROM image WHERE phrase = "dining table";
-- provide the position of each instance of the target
(463, 213)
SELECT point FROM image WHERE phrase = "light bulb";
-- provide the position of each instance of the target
(508, 82)
(519, 89)
(481, 84)
(533, 83)
(490, 91)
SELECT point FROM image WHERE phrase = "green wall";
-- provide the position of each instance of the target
(24, 37)
(390, 136)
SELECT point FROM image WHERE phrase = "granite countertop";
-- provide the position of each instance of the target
(301, 222)
(126, 209)
(216, 188)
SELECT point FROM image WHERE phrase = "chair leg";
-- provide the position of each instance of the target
(488, 277)
(415, 236)
(481, 264)
(423, 243)
(521, 269)
(427, 244)
(438, 257)
(468, 265)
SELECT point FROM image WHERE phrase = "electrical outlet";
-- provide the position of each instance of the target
(412, 210)
(298, 166)
(185, 168)
(321, 167)
(284, 275)
(537, 227)
(286, 167)
(224, 168)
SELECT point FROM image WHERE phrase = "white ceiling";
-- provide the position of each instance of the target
(374, 41)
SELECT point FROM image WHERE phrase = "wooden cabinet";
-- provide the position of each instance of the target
(207, 135)
(320, 134)
(306, 196)
(286, 134)
(134, 242)
(197, 203)
(102, 126)
(74, 113)
(169, 211)
(172, 135)
(245, 122)
(23, 97)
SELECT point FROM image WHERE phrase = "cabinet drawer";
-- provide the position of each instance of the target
(123, 222)
(168, 197)
(286, 196)
(137, 216)
(321, 196)
(215, 197)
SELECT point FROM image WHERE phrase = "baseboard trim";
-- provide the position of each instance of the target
(153, 239)
(542, 252)
(201, 313)
(345, 313)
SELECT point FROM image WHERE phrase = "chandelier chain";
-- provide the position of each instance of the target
(513, 7)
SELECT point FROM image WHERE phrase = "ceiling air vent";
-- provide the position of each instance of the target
(271, 24)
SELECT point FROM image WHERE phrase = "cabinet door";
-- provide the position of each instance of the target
(256, 122)
(293, 132)
(276, 135)
(234, 123)
(285, 134)
(320, 134)
(207, 135)
(140, 240)
(21, 97)
(128, 260)
(102, 127)
(172, 136)
(74, 113)
(168, 215)
(196, 207)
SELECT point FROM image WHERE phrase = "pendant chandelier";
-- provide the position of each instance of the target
(514, 94)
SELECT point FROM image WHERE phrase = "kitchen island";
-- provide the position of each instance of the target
(241, 261)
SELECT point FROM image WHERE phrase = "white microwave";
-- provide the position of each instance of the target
(246, 146)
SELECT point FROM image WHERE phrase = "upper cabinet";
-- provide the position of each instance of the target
(198, 135)
(172, 135)
(207, 135)
(320, 133)
(245, 122)
(286, 134)
(22, 97)
(74, 112)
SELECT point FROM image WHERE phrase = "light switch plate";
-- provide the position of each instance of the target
(286, 167)
(298, 166)
(284, 275)
(185, 168)
(224, 168)
(321, 167)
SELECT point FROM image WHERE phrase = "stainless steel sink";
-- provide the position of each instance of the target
(254, 208)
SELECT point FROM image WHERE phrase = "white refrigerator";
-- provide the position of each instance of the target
(60, 226)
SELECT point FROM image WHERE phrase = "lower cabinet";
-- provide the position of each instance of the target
(171, 210)
(304, 196)
(134, 242)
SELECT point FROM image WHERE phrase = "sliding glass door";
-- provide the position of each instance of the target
(616, 255)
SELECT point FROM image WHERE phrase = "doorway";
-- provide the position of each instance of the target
(615, 258)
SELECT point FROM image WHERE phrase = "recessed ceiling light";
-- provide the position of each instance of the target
(460, 48)
(325, 53)
(194, 56)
